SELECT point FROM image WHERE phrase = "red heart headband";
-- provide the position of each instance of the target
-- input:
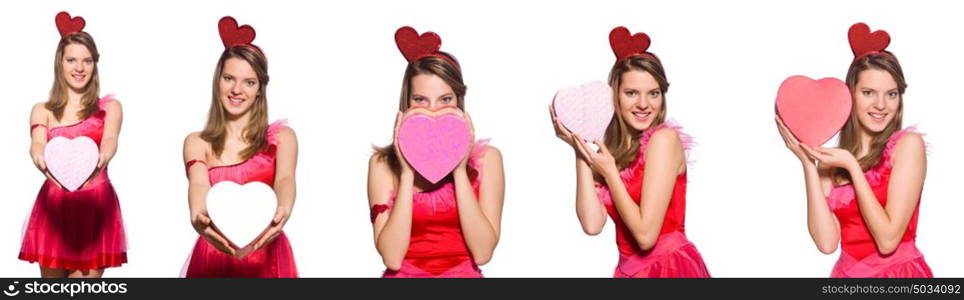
(626, 45)
(233, 35)
(863, 42)
(67, 25)
(414, 46)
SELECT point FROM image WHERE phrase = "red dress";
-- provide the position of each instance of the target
(273, 260)
(436, 247)
(79, 230)
(673, 255)
(859, 256)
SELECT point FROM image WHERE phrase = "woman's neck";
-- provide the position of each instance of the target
(864, 139)
(235, 126)
(74, 97)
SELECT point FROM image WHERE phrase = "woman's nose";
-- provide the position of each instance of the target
(880, 102)
(642, 103)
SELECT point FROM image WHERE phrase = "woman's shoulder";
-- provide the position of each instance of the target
(664, 138)
(194, 140)
(490, 154)
(906, 143)
(484, 154)
(379, 162)
(109, 102)
(40, 109)
(280, 133)
(909, 138)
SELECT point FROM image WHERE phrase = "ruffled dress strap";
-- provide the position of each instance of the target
(685, 138)
(273, 130)
(886, 159)
(105, 101)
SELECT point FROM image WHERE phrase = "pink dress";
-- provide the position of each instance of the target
(79, 230)
(436, 247)
(673, 255)
(273, 260)
(859, 256)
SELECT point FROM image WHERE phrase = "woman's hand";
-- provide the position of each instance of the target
(281, 215)
(102, 160)
(601, 162)
(406, 169)
(463, 165)
(792, 143)
(202, 224)
(833, 157)
(562, 132)
(38, 161)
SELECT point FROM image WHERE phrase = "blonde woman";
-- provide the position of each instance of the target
(75, 233)
(445, 229)
(865, 195)
(638, 175)
(239, 145)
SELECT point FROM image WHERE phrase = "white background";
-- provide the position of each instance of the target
(336, 75)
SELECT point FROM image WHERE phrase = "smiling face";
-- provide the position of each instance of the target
(431, 92)
(77, 66)
(238, 87)
(640, 99)
(876, 99)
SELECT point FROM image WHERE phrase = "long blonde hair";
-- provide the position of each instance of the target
(621, 139)
(58, 93)
(255, 133)
(431, 65)
(850, 134)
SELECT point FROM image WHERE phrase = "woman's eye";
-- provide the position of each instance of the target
(631, 93)
(655, 93)
(250, 83)
(447, 100)
(70, 60)
(88, 61)
(419, 100)
(867, 93)
(892, 95)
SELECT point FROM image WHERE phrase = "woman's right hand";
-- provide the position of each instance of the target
(38, 161)
(406, 169)
(202, 224)
(792, 143)
(562, 132)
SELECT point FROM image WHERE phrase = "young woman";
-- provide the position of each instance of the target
(638, 175)
(449, 228)
(239, 145)
(75, 233)
(865, 194)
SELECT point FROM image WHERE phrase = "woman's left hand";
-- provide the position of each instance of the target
(468, 153)
(602, 162)
(831, 157)
(102, 160)
(277, 224)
